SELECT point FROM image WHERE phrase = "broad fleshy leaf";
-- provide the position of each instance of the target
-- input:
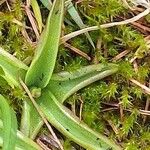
(68, 124)
(64, 84)
(9, 124)
(11, 68)
(71, 83)
(25, 118)
(21, 142)
(42, 66)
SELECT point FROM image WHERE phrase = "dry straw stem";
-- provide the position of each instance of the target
(2, 1)
(145, 88)
(40, 113)
(116, 107)
(120, 55)
(76, 50)
(127, 5)
(107, 25)
(32, 21)
(44, 147)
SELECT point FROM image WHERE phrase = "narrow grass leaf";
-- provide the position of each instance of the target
(76, 17)
(47, 3)
(37, 13)
(74, 14)
(9, 125)
(42, 66)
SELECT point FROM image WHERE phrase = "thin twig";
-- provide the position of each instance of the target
(138, 25)
(26, 36)
(120, 55)
(42, 145)
(147, 106)
(115, 129)
(8, 6)
(133, 59)
(40, 113)
(73, 107)
(145, 88)
(76, 50)
(135, 65)
(107, 25)
(32, 21)
(81, 108)
(116, 107)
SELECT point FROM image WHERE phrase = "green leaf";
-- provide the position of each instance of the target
(74, 14)
(68, 124)
(25, 119)
(71, 83)
(37, 13)
(9, 124)
(47, 3)
(42, 66)
(22, 142)
(64, 84)
(76, 17)
(11, 68)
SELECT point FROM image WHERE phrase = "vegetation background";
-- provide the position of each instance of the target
(117, 106)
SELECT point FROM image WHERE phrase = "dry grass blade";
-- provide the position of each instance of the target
(41, 113)
(44, 147)
(32, 21)
(2, 1)
(146, 107)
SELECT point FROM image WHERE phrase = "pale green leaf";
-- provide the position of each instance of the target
(76, 17)
(68, 124)
(22, 142)
(11, 68)
(71, 82)
(64, 84)
(43, 63)
(9, 124)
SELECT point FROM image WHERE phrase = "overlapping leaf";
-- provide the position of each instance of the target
(11, 68)
(21, 142)
(9, 124)
(74, 15)
(60, 87)
(64, 84)
(43, 63)
(61, 118)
